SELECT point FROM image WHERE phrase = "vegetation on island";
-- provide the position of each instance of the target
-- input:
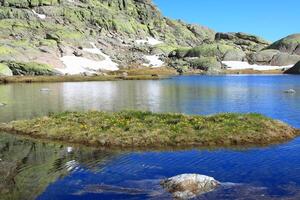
(147, 129)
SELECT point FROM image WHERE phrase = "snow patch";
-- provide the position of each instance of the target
(154, 61)
(78, 65)
(239, 65)
(41, 16)
(149, 40)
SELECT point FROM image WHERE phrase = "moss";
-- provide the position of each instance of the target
(68, 34)
(6, 50)
(181, 52)
(205, 63)
(146, 129)
(167, 48)
(29, 68)
(47, 42)
(209, 50)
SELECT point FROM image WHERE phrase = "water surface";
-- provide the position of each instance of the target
(42, 170)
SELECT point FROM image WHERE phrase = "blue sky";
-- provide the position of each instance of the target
(271, 19)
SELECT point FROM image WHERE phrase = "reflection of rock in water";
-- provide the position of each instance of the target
(27, 167)
(7, 173)
(145, 188)
(151, 189)
(244, 191)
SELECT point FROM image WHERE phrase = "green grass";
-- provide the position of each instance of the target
(146, 129)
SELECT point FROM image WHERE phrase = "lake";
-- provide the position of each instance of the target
(44, 170)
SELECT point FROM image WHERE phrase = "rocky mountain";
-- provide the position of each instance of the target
(45, 31)
(76, 36)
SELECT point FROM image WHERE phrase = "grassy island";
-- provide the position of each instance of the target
(146, 129)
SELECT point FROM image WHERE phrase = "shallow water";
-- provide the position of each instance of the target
(54, 171)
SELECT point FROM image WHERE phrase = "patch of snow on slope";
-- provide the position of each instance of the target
(149, 40)
(78, 65)
(154, 61)
(238, 65)
(41, 16)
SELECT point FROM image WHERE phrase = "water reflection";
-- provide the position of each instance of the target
(31, 169)
(186, 94)
(28, 167)
(42, 170)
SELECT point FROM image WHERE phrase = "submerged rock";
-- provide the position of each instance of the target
(188, 186)
(45, 90)
(2, 104)
(291, 91)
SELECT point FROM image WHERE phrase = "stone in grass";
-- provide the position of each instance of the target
(188, 186)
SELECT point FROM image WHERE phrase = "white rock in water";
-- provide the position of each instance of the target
(45, 90)
(290, 91)
(188, 186)
(2, 104)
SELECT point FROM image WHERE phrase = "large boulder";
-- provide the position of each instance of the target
(29, 68)
(5, 70)
(188, 186)
(289, 44)
(273, 57)
(234, 55)
(294, 70)
(210, 64)
(263, 57)
(284, 59)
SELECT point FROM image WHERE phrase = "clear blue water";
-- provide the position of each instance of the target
(257, 173)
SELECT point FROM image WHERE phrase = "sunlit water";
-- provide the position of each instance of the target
(35, 169)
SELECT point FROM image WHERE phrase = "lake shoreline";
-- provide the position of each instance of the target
(131, 74)
(146, 130)
(49, 79)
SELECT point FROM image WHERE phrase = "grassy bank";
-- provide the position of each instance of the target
(146, 129)
(75, 78)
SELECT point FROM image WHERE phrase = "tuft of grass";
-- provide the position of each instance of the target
(147, 129)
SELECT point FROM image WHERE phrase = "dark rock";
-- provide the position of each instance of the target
(294, 70)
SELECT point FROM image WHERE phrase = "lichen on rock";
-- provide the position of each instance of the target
(187, 186)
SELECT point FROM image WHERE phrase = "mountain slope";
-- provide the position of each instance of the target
(44, 31)
(78, 36)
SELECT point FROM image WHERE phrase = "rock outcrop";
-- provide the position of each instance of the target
(273, 57)
(247, 42)
(188, 186)
(55, 32)
(44, 31)
(289, 44)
